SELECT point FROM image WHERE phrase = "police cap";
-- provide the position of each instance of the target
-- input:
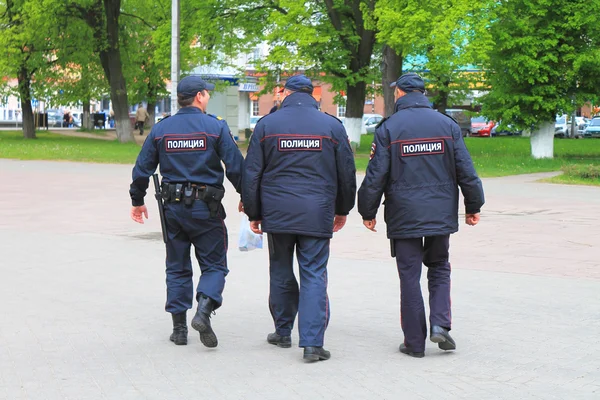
(299, 83)
(410, 82)
(190, 85)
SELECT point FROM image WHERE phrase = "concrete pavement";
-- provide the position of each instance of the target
(82, 295)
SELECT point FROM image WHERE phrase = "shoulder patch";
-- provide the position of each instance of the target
(373, 150)
(381, 122)
(334, 117)
(215, 116)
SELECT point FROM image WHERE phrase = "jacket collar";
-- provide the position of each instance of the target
(190, 110)
(299, 99)
(412, 100)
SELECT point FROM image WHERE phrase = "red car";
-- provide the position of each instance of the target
(481, 127)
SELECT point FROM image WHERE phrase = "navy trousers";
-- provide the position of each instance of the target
(310, 301)
(410, 255)
(187, 226)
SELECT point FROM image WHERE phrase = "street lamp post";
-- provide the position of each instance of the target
(174, 54)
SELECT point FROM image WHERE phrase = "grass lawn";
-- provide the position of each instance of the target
(501, 156)
(52, 146)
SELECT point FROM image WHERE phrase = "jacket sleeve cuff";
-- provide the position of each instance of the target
(473, 211)
(137, 202)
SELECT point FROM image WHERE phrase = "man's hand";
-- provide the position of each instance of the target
(370, 224)
(137, 212)
(256, 226)
(241, 207)
(472, 219)
(338, 222)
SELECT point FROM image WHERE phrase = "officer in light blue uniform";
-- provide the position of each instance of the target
(299, 184)
(419, 160)
(189, 147)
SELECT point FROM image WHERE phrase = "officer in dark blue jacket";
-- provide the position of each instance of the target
(299, 184)
(189, 146)
(419, 159)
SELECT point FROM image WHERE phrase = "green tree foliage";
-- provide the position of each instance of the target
(25, 52)
(442, 39)
(331, 39)
(546, 61)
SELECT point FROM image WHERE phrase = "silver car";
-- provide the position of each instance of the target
(370, 121)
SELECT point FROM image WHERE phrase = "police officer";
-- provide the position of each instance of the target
(299, 184)
(419, 159)
(189, 146)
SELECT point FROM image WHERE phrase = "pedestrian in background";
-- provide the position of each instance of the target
(141, 116)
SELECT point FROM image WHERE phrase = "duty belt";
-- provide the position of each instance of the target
(176, 192)
(188, 192)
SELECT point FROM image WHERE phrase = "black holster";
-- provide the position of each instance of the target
(212, 196)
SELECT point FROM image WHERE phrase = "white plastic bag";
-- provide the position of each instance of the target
(248, 240)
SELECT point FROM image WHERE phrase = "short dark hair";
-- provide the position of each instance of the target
(185, 101)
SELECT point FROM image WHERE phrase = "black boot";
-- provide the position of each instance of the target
(316, 354)
(441, 336)
(201, 321)
(280, 341)
(180, 330)
(409, 352)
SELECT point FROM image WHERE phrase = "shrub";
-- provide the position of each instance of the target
(590, 171)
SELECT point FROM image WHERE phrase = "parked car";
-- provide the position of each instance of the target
(480, 126)
(55, 118)
(562, 126)
(593, 129)
(462, 118)
(505, 130)
(370, 121)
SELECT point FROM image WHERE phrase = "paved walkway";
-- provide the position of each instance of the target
(82, 295)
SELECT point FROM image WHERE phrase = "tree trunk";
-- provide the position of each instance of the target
(391, 71)
(151, 112)
(542, 141)
(574, 132)
(355, 104)
(442, 104)
(110, 58)
(86, 122)
(24, 79)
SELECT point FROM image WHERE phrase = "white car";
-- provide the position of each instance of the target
(370, 121)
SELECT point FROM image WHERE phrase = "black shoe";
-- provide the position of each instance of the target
(316, 354)
(441, 336)
(180, 330)
(280, 341)
(201, 322)
(409, 352)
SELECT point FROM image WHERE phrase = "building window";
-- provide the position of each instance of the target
(341, 110)
(105, 103)
(254, 107)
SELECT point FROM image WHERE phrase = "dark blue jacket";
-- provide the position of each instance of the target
(189, 146)
(419, 159)
(299, 170)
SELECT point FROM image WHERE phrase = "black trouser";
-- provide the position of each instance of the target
(140, 125)
(410, 255)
